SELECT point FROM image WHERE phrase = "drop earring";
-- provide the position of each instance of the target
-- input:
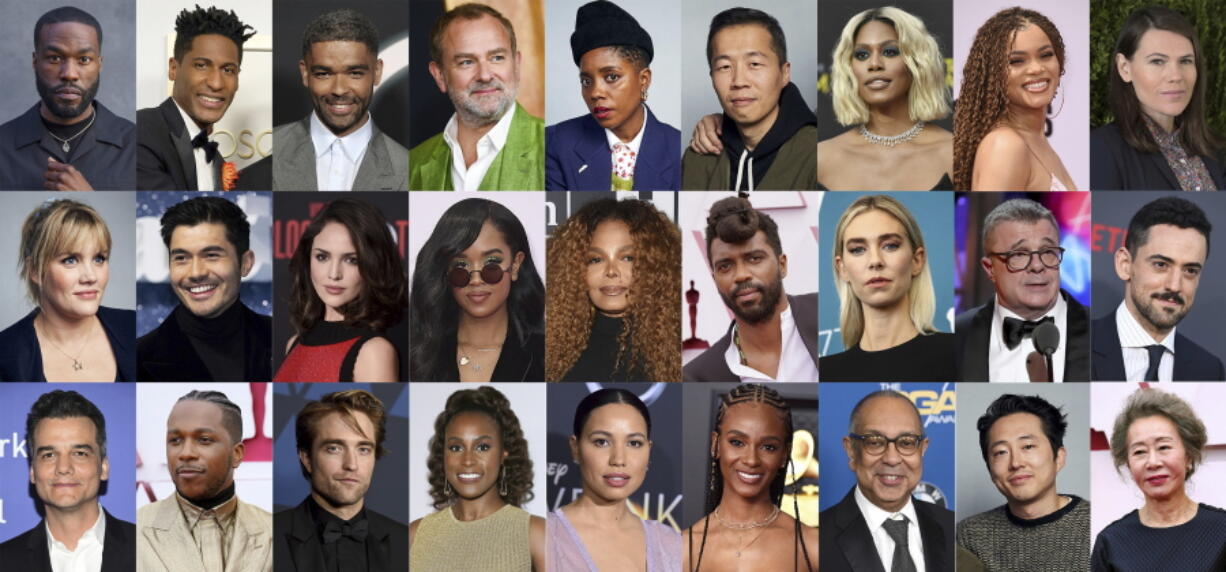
(502, 482)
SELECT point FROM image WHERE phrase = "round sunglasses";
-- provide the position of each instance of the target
(491, 273)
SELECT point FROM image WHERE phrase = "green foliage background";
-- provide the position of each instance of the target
(1209, 18)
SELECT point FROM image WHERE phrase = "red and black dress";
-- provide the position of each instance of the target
(326, 352)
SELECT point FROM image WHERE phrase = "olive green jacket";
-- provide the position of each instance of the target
(519, 166)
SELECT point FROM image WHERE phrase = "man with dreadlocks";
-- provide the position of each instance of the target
(744, 527)
(878, 525)
(174, 151)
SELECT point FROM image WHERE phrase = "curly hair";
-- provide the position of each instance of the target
(982, 102)
(202, 21)
(383, 298)
(517, 464)
(1148, 403)
(653, 320)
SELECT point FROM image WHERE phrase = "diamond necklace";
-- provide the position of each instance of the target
(892, 140)
(65, 146)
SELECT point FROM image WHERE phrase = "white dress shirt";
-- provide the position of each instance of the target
(1133, 339)
(337, 158)
(875, 517)
(488, 146)
(634, 144)
(88, 555)
(795, 363)
(1009, 365)
(204, 171)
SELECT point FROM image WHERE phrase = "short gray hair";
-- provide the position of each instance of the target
(1015, 210)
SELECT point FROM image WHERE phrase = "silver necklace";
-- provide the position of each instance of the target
(892, 140)
(65, 146)
(77, 364)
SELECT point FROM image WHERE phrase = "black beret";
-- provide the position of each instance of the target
(602, 23)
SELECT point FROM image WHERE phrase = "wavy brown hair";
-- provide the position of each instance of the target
(982, 102)
(653, 319)
(517, 464)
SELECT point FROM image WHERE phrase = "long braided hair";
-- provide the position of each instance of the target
(714, 492)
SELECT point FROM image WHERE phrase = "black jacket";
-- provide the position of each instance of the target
(520, 360)
(105, 155)
(1117, 166)
(296, 545)
(972, 329)
(22, 360)
(164, 159)
(166, 354)
(710, 365)
(847, 544)
(28, 551)
(1192, 362)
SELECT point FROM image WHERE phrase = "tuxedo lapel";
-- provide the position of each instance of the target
(378, 548)
(304, 545)
(1077, 348)
(975, 358)
(180, 142)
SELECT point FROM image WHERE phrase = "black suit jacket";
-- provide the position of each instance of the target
(972, 331)
(165, 354)
(710, 365)
(28, 551)
(22, 358)
(847, 544)
(164, 159)
(1192, 362)
(296, 545)
(1117, 166)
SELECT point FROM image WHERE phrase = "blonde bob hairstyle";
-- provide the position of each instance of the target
(922, 296)
(55, 228)
(928, 99)
(1149, 402)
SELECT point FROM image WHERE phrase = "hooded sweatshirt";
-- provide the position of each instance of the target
(750, 166)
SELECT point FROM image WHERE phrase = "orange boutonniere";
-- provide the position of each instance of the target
(229, 176)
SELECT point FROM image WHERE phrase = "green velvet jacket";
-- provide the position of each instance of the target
(519, 166)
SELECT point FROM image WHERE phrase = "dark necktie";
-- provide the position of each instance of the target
(210, 147)
(1017, 330)
(1155, 360)
(333, 531)
(897, 529)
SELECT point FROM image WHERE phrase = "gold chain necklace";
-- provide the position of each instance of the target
(741, 527)
(77, 364)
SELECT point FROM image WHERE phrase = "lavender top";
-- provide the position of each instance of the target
(566, 550)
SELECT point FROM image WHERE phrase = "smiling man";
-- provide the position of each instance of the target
(491, 142)
(1021, 438)
(204, 526)
(68, 141)
(175, 151)
(338, 147)
(66, 439)
(211, 335)
(773, 336)
(1022, 256)
(1160, 263)
(340, 439)
(878, 525)
(769, 134)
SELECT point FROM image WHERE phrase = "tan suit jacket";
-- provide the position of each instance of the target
(164, 544)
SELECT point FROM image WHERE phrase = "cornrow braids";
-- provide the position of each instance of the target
(232, 414)
(211, 20)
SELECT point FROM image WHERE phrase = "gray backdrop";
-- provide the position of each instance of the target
(974, 487)
(118, 88)
(1110, 221)
(118, 209)
(563, 98)
(798, 19)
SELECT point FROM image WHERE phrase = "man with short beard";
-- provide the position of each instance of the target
(338, 147)
(490, 143)
(203, 526)
(68, 141)
(339, 438)
(774, 337)
(1161, 262)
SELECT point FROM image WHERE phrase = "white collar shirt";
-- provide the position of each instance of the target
(204, 171)
(1009, 365)
(634, 144)
(469, 178)
(795, 363)
(337, 158)
(875, 517)
(88, 555)
(1133, 342)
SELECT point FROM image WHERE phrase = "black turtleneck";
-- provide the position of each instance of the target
(343, 547)
(215, 501)
(598, 362)
(219, 341)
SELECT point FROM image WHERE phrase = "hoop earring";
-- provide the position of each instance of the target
(502, 482)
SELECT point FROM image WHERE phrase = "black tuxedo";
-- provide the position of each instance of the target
(710, 365)
(847, 544)
(297, 548)
(1192, 362)
(164, 155)
(166, 353)
(972, 331)
(27, 552)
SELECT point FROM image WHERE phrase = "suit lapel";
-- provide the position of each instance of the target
(1105, 345)
(593, 152)
(36, 545)
(249, 548)
(169, 538)
(935, 557)
(854, 538)
(654, 169)
(975, 360)
(181, 144)
(118, 548)
(1077, 348)
(376, 165)
(378, 547)
(294, 160)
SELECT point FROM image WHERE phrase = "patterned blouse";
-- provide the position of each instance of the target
(1189, 169)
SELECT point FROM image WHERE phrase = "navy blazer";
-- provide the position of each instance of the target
(1192, 362)
(1117, 166)
(847, 544)
(22, 358)
(577, 157)
(28, 551)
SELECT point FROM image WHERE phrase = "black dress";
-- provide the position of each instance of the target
(923, 358)
(1198, 545)
(598, 362)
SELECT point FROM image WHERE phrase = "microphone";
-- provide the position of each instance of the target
(1046, 338)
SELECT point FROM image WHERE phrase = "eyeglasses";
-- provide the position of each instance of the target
(1019, 260)
(491, 273)
(874, 444)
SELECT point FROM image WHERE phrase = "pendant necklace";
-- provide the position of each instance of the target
(64, 142)
(740, 527)
(891, 140)
(465, 360)
(77, 364)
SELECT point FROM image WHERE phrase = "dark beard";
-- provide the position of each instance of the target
(771, 293)
(46, 92)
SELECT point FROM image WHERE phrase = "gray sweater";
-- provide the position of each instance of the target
(1057, 542)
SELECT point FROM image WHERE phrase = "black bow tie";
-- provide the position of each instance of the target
(334, 530)
(210, 147)
(1017, 330)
